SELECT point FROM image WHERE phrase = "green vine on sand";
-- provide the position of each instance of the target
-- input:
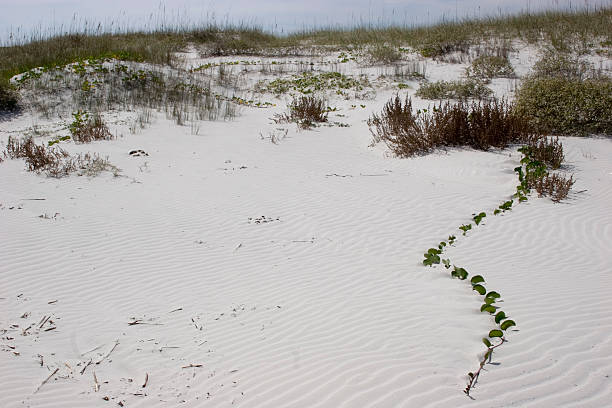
(529, 170)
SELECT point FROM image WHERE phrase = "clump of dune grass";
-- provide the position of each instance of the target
(86, 129)
(383, 54)
(305, 111)
(487, 67)
(460, 89)
(482, 126)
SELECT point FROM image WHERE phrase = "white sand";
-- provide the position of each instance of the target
(327, 305)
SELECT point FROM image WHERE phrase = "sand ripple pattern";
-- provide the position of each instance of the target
(321, 305)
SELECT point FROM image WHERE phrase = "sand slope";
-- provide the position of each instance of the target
(225, 270)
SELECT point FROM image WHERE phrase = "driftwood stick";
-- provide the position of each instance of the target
(46, 379)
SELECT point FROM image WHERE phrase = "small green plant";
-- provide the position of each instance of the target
(459, 273)
(478, 218)
(462, 89)
(446, 263)
(465, 228)
(432, 257)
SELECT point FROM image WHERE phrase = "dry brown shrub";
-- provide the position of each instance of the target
(554, 185)
(546, 149)
(91, 131)
(478, 125)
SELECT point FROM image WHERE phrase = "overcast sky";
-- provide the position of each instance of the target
(281, 16)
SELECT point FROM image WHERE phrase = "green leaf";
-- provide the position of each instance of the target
(489, 300)
(477, 279)
(493, 294)
(433, 251)
(507, 324)
(496, 212)
(486, 342)
(480, 289)
(496, 333)
(460, 273)
(488, 308)
(499, 317)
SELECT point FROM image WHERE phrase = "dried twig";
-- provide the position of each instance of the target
(46, 379)
(85, 367)
(109, 353)
(192, 365)
(146, 380)
(96, 383)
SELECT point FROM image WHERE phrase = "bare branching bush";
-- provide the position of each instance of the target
(17, 149)
(90, 130)
(477, 125)
(403, 131)
(461, 89)
(548, 150)
(306, 111)
(55, 161)
(553, 185)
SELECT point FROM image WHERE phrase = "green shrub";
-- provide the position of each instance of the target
(454, 90)
(567, 105)
(8, 98)
(555, 64)
(487, 67)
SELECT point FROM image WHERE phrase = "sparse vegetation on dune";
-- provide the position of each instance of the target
(459, 89)
(564, 30)
(56, 162)
(481, 126)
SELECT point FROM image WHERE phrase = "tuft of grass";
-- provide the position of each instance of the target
(460, 89)
(306, 111)
(87, 130)
(383, 54)
(487, 67)
(477, 125)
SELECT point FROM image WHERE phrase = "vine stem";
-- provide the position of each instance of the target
(474, 376)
